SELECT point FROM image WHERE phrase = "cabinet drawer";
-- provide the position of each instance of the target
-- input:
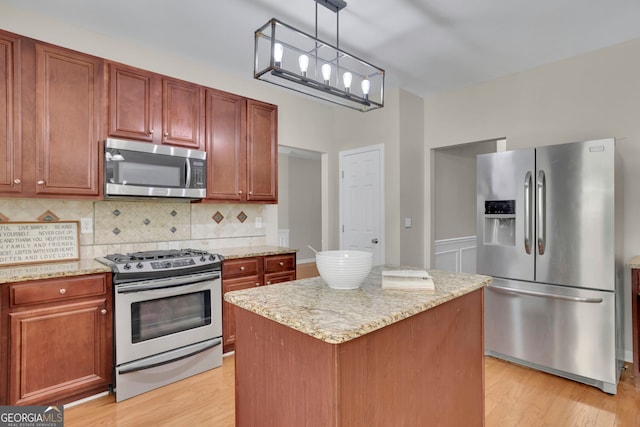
(273, 278)
(275, 263)
(43, 291)
(240, 267)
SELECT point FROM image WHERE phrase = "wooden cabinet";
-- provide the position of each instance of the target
(242, 149)
(10, 146)
(67, 107)
(244, 273)
(635, 301)
(149, 107)
(50, 120)
(57, 334)
(262, 152)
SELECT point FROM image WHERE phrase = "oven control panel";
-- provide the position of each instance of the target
(174, 263)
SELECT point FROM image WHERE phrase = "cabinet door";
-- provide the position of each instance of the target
(59, 352)
(10, 147)
(262, 152)
(133, 109)
(226, 146)
(68, 100)
(182, 114)
(228, 317)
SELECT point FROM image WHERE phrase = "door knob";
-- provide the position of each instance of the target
(374, 241)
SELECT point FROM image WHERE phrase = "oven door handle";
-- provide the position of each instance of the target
(174, 356)
(169, 282)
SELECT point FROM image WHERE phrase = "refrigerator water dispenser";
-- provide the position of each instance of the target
(500, 222)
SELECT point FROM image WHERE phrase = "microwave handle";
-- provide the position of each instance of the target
(188, 172)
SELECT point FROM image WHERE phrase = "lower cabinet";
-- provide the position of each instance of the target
(635, 301)
(243, 273)
(58, 335)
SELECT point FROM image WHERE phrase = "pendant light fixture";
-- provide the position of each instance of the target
(290, 58)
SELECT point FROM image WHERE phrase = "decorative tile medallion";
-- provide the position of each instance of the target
(116, 231)
(174, 213)
(173, 229)
(146, 221)
(242, 217)
(217, 217)
(116, 212)
(48, 216)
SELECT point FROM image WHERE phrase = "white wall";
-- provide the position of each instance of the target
(596, 95)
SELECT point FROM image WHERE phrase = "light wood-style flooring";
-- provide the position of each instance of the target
(514, 397)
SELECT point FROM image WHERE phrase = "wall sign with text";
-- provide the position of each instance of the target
(33, 242)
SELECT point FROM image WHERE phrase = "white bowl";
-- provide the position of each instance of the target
(344, 269)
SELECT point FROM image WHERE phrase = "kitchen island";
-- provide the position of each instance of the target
(310, 355)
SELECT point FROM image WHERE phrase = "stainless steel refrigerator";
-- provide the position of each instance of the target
(549, 232)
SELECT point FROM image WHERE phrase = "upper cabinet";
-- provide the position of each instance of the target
(242, 149)
(50, 104)
(68, 87)
(10, 147)
(262, 152)
(149, 107)
(57, 106)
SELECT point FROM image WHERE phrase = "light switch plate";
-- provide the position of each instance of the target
(258, 222)
(407, 222)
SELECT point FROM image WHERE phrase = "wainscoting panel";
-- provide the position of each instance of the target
(458, 254)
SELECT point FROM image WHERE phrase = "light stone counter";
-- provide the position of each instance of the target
(251, 251)
(633, 262)
(51, 270)
(336, 316)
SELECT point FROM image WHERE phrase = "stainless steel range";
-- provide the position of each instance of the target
(168, 317)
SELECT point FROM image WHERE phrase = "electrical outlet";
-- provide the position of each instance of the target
(407, 222)
(86, 225)
(258, 222)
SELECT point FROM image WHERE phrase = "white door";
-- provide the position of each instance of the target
(362, 201)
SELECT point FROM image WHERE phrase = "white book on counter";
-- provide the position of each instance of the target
(407, 279)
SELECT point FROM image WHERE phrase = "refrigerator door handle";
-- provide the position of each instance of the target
(544, 295)
(542, 208)
(527, 212)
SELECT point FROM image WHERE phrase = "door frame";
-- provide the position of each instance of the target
(341, 163)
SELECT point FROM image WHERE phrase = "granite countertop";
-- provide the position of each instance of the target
(251, 251)
(336, 316)
(633, 262)
(50, 270)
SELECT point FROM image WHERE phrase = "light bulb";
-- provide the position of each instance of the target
(278, 52)
(366, 85)
(303, 62)
(326, 73)
(346, 78)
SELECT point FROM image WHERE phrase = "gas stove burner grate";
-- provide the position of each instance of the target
(155, 255)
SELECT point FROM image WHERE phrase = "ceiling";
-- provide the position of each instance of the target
(425, 46)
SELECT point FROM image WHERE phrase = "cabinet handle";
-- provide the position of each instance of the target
(250, 193)
(17, 181)
(242, 268)
(268, 283)
(240, 192)
(63, 291)
(150, 131)
(103, 311)
(166, 134)
(281, 263)
(41, 182)
(257, 283)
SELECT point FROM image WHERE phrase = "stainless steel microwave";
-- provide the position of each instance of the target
(143, 169)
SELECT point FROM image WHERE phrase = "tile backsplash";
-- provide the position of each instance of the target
(129, 226)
